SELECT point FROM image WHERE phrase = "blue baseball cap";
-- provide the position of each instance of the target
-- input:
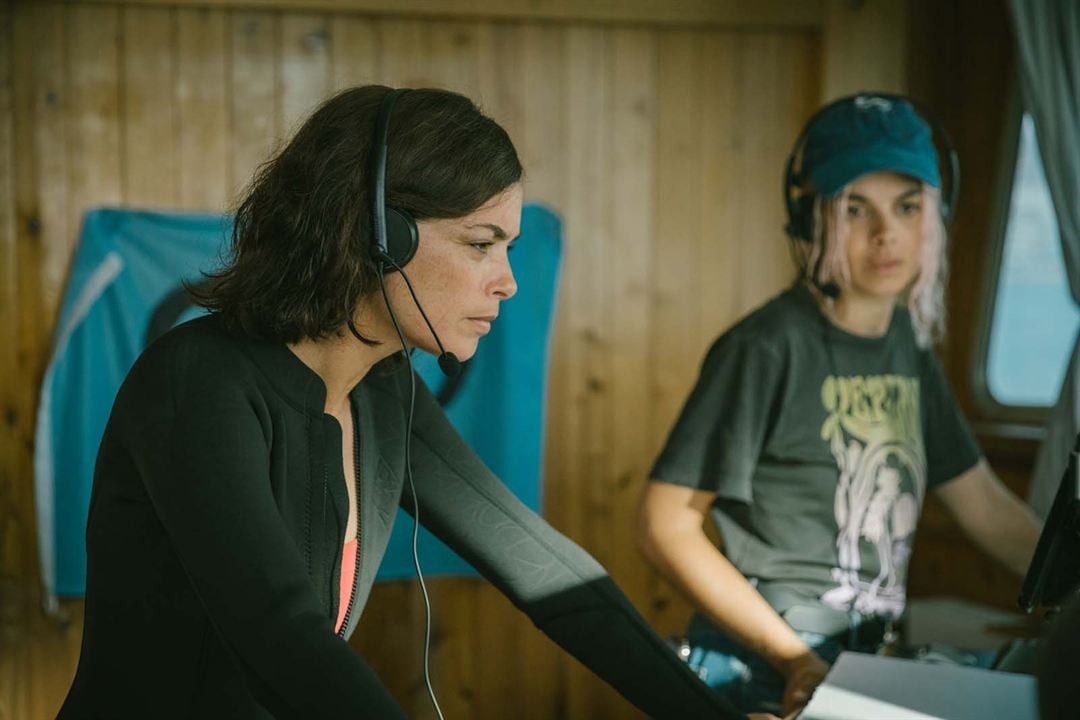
(868, 133)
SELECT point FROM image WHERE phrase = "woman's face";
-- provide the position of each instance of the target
(884, 234)
(461, 273)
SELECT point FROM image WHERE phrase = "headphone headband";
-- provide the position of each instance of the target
(396, 236)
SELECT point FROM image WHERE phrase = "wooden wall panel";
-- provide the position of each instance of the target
(675, 282)
(633, 187)
(720, 244)
(41, 236)
(93, 132)
(203, 120)
(354, 51)
(660, 145)
(305, 68)
(149, 154)
(10, 539)
(865, 46)
(254, 115)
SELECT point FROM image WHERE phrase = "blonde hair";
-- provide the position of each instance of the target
(925, 297)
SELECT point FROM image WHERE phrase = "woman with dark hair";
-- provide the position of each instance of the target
(254, 459)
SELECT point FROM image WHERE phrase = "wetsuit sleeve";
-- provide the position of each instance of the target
(204, 459)
(563, 590)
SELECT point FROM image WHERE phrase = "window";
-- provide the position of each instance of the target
(1035, 320)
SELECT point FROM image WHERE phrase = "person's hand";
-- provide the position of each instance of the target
(803, 674)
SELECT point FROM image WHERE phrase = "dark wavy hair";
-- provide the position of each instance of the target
(300, 259)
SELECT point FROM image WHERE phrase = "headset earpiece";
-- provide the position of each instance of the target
(800, 225)
(402, 237)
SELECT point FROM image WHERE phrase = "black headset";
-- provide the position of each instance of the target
(396, 236)
(395, 231)
(800, 204)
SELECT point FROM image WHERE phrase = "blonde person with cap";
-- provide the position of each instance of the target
(820, 421)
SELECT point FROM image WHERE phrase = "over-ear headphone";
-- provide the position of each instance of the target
(799, 203)
(396, 236)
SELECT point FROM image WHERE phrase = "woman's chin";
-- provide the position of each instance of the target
(464, 349)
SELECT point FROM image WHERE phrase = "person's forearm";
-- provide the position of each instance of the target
(598, 625)
(712, 584)
(1010, 532)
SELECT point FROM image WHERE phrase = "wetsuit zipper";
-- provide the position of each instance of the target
(359, 545)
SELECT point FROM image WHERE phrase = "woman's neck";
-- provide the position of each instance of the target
(860, 315)
(342, 362)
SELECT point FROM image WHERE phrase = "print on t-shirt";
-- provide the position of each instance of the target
(873, 431)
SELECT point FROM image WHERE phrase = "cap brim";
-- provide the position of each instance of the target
(831, 177)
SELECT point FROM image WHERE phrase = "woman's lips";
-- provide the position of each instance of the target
(483, 324)
(886, 266)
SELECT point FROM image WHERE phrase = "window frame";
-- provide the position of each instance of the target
(1020, 417)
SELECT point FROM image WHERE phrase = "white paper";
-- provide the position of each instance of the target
(872, 687)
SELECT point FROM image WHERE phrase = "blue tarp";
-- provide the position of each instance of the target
(127, 277)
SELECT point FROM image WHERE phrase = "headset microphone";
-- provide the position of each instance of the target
(449, 364)
(448, 361)
(829, 289)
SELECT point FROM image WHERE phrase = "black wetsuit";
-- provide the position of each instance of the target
(215, 535)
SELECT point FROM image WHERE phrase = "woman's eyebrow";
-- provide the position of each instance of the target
(497, 232)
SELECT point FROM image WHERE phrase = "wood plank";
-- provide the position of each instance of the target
(691, 13)
(201, 96)
(149, 110)
(586, 513)
(16, 495)
(721, 247)
(452, 53)
(633, 179)
(402, 53)
(41, 234)
(454, 657)
(254, 116)
(865, 47)
(386, 639)
(541, 142)
(763, 96)
(678, 226)
(354, 52)
(305, 68)
(93, 129)
(11, 540)
(498, 57)
(50, 120)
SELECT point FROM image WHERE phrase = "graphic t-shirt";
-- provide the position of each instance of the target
(820, 445)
